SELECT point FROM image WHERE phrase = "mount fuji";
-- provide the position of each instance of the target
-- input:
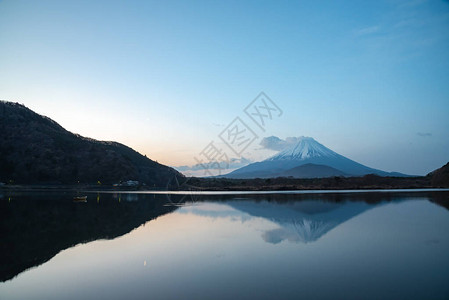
(306, 159)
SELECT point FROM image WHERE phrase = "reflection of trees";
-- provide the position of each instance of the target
(34, 229)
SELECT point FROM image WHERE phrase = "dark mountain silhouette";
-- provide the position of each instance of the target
(35, 149)
(311, 171)
(440, 177)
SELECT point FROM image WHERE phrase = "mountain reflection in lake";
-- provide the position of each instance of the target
(279, 246)
(304, 221)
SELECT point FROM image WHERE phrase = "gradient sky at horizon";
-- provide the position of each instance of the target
(367, 79)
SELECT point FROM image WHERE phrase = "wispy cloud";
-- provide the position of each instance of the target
(407, 31)
(412, 3)
(367, 30)
(424, 134)
(233, 163)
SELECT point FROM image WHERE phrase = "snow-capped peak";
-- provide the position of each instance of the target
(305, 148)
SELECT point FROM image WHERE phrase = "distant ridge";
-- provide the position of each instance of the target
(306, 151)
(311, 171)
(36, 150)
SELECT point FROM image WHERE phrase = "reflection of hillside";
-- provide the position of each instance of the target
(304, 221)
(441, 199)
(34, 229)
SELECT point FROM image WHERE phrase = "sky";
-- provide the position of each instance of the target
(368, 79)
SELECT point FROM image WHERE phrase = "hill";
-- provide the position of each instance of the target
(440, 177)
(36, 150)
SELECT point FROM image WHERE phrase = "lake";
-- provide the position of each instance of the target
(333, 245)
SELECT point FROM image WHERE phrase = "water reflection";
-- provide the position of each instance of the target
(297, 221)
(335, 246)
(35, 227)
(305, 221)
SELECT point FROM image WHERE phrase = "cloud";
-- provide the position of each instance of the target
(413, 3)
(233, 163)
(409, 30)
(424, 134)
(367, 30)
(277, 144)
(272, 143)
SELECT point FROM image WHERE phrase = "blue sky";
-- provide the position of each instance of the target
(367, 79)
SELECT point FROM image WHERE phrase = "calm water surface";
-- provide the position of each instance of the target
(276, 246)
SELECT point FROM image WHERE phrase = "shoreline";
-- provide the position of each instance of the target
(279, 184)
(212, 191)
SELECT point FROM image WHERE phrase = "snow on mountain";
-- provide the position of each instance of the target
(305, 151)
(306, 148)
